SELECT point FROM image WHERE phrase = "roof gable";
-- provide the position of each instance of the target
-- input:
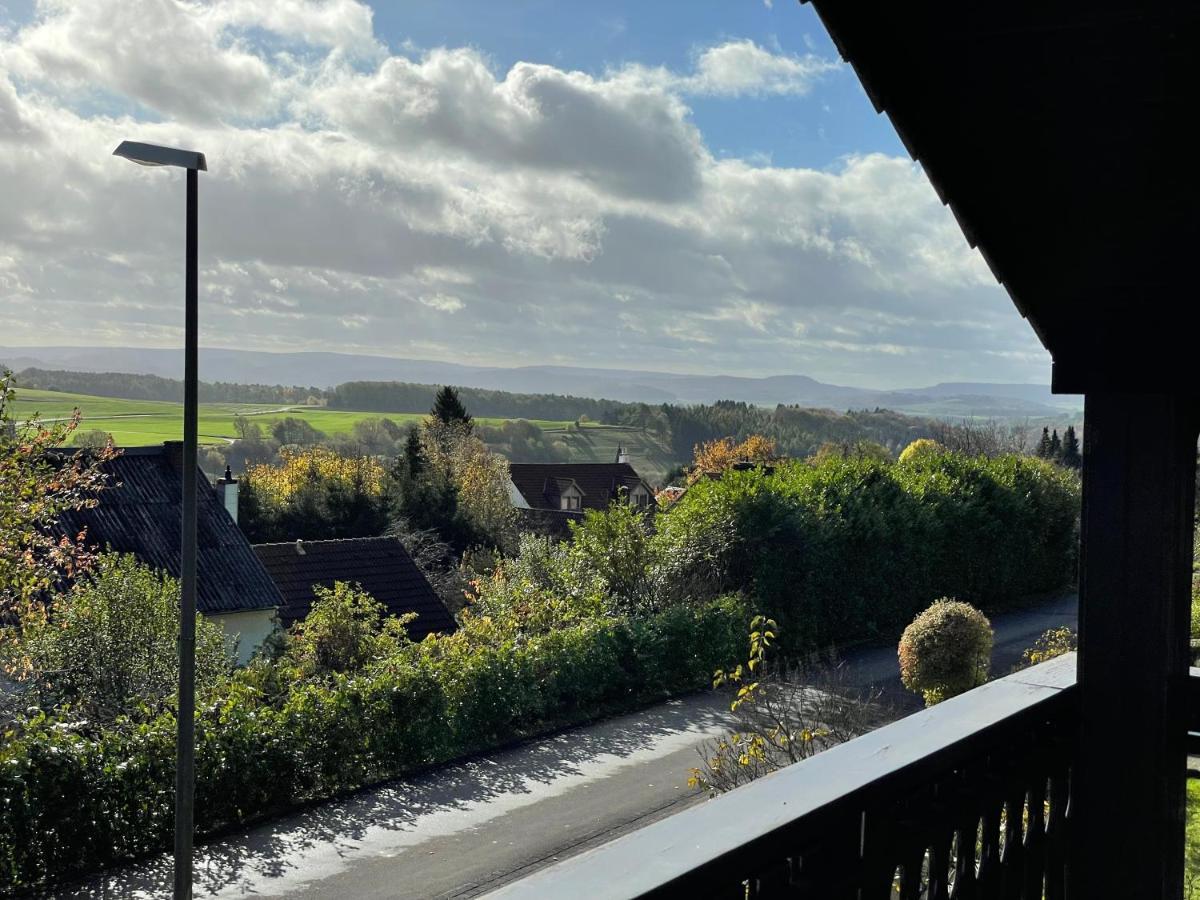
(543, 484)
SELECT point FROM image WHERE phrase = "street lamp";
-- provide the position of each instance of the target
(185, 749)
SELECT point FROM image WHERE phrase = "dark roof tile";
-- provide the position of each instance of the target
(380, 565)
(140, 514)
(542, 484)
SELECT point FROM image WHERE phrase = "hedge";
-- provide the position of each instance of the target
(852, 549)
(74, 798)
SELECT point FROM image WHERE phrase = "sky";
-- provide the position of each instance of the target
(688, 187)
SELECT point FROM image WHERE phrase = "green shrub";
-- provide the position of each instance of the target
(76, 797)
(344, 630)
(108, 644)
(853, 548)
(945, 651)
(1053, 642)
(919, 448)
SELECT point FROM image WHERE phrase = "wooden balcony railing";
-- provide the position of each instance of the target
(964, 800)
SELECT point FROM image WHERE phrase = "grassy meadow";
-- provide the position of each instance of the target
(135, 423)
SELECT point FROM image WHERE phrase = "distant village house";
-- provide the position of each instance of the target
(547, 496)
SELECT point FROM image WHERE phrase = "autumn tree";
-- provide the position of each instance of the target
(851, 450)
(716, 456)
(478, 477)
(313, 493)
(38, 483)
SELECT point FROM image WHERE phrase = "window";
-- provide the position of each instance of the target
(570, 501)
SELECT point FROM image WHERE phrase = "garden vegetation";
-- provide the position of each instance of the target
(631, 610)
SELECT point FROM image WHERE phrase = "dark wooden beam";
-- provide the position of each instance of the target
(1127, 789)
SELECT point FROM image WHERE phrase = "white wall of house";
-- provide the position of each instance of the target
(248, 628)
(518, 501)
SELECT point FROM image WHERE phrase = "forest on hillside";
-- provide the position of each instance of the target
(669, 432)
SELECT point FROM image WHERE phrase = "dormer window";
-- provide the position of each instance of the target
(570, 501)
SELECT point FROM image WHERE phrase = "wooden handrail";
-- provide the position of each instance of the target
(909, 797)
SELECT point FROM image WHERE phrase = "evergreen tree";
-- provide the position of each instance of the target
(1071, 457)
(1043, 448)
(1055, 446)
(414, 454)
(448, 408)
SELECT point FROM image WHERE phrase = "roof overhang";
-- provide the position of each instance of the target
(1055, 132)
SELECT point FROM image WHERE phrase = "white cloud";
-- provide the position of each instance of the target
(738, 68)
(357, 199)
(443, 302)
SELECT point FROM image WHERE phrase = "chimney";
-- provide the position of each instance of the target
(227, 487)
(622, 454)
(173, 450)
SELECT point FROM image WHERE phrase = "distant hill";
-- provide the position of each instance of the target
(326, 370)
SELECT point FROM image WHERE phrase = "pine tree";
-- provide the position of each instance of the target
(448, 408)
(414, 454)
(1071, 457)
(1043, 448)
(1055, 446)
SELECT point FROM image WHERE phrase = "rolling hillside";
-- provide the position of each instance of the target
(325, 370)
(141, 422)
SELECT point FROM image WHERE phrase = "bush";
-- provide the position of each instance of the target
(922, 447)
(269, 739)
(853, 548)
(344, 631)
(108, 644)
(1053, 642)
(945, 651)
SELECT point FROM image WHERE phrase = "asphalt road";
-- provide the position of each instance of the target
(469, 828)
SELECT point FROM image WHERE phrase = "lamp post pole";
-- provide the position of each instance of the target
(185, 748)
(185, 763)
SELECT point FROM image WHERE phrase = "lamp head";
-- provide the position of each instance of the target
(154, 155)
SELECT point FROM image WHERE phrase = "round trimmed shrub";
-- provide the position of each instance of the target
(921, 448)
(946, 650)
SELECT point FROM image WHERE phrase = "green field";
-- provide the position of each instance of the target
(599, 443)
(135, 423)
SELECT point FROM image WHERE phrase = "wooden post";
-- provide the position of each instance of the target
(1127, 787)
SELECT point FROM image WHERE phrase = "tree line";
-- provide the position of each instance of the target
(126, 386)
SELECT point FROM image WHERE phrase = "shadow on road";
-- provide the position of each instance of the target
(272, 850)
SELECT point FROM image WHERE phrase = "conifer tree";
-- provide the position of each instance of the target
(448, 408)
(414, 454)
(1071, 457)
(1055, 445)
(1043, 448)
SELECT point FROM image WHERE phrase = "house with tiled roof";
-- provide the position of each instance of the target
(549, 495)
(379, 565)
(140, 514)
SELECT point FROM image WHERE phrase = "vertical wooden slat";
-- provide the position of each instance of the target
(1035, 842)
(939, 864)
(1012, 870)
(966, 887)
(1056, 837)
(1134, 609)
(989, 853)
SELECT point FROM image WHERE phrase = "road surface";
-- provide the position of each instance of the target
(468, 828)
